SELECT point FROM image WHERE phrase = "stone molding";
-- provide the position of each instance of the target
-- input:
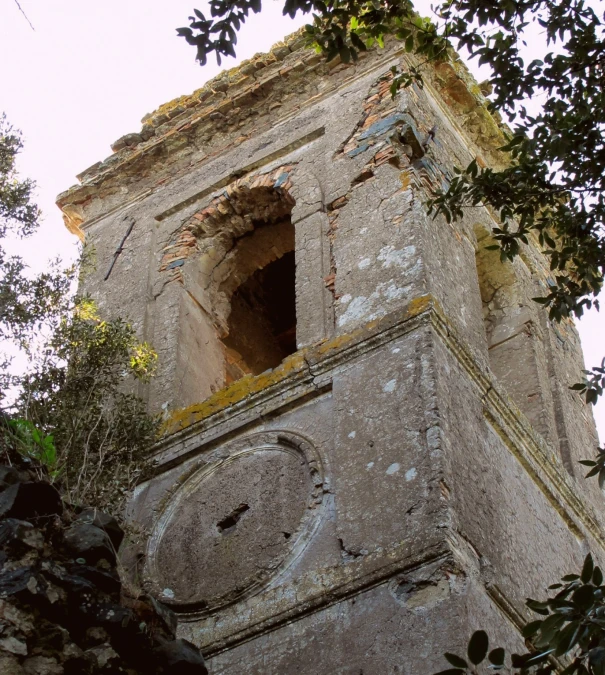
(243, 448)
(307, 373)
(327, 588)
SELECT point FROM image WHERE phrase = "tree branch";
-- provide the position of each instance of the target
(24, 14)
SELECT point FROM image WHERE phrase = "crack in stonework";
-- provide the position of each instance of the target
(229, 523)
(347, 554)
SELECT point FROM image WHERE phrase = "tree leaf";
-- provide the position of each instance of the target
(531, 628)
(567, 638)
(587, 569)
(584, 596)
(496, 656)
(455, 660)
(477, 647)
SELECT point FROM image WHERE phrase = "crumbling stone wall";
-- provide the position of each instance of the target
(408, 474)
(515, 338)
(63, 608)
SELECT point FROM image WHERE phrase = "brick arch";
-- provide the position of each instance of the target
(246, 202)
(221, 257)
(242, 230)
(230, 215)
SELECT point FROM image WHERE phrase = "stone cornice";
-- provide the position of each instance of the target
(234, 95)
(308, 372)
(341, 582)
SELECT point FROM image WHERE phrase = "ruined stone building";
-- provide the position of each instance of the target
(372, 447)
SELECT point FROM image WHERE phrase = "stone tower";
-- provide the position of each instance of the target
(372, 446)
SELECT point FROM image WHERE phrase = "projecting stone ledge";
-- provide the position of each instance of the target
(305, 364)
(240, 103)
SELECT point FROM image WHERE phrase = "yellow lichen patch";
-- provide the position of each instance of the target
(167, 107)
(234, 393)
(419, 305)
(293, 365)
(404, 177)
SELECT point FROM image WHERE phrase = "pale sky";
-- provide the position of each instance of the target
(89, 72)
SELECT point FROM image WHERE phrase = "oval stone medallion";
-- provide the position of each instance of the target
(232, 524)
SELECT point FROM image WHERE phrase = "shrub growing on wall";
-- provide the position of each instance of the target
(72, 408)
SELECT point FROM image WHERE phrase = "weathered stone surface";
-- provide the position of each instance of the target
(42, 665)
(227, 542)
(59, 616)
(360, 487)
(126, 141)
(9, 665)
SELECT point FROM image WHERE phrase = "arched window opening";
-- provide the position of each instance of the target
(262, 322)
(238, 307)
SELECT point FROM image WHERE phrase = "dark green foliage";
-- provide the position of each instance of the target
(17, 211)
(594, 385)
(31, 443)
(571, 626)
(597, 467)
(74, 392)
(26, 301)
(341, 28)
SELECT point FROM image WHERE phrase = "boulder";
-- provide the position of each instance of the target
(30, 501)
(76, 578)
(89, 542)
(105, 522)
(19, 535)
(8, 476)
(179, 657)
(22, 583)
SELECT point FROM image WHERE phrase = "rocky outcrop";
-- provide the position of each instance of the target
(63, 609)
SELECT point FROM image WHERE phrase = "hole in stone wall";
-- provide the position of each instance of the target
(262, 322)
(229, 523)
(365, 175)
(238, 315)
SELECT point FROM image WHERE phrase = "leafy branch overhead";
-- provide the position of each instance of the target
(26, 302)
(570, 631)
(554, 184)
